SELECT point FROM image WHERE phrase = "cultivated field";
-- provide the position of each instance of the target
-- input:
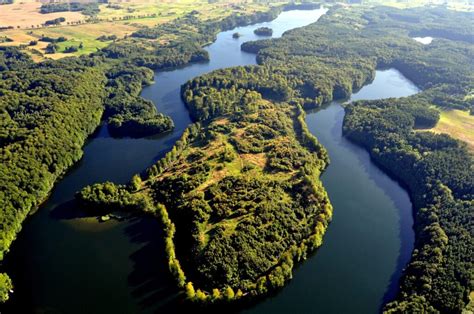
(115, 18)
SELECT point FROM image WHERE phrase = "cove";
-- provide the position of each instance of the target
(63, 262)
(370, 238)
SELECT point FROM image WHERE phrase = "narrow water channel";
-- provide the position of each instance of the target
(63, 262)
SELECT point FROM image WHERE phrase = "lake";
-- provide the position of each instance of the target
(63, 262)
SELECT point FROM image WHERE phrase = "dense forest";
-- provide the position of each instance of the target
(439, 173)
(49, 109)
(263, 31)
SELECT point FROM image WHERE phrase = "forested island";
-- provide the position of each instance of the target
(239, 197)
(263, 31)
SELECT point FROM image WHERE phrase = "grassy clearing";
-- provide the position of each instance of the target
(457, 123)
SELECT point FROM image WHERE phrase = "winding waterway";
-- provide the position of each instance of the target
(63, 262)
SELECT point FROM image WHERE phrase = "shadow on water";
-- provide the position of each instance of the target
(150, 282)
(67, 211)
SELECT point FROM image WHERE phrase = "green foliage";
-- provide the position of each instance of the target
(47, 112)
(136, 182)
(335, 56)
(85, 8)
(51, 48)
(5, 287)
(106, 197)
(229, 294)
(56, 21)
(71, 49)
(240, 228)
(126, 112)
(190, 292)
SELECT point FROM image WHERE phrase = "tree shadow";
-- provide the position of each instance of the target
(150, 281)
(69, 210)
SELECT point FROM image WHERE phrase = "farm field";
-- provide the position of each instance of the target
(119, 19)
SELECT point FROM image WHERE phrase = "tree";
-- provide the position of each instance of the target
(136, 182)
(5, 287)
(216, 294)
(229, 294)
(201, 296)
(190, 292)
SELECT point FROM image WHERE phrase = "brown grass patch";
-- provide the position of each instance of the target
(222, 121)
(259, 159)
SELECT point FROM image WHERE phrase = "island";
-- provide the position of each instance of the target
(263, 31)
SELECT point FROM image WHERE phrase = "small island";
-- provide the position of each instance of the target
(236, 35)
(263, 31)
